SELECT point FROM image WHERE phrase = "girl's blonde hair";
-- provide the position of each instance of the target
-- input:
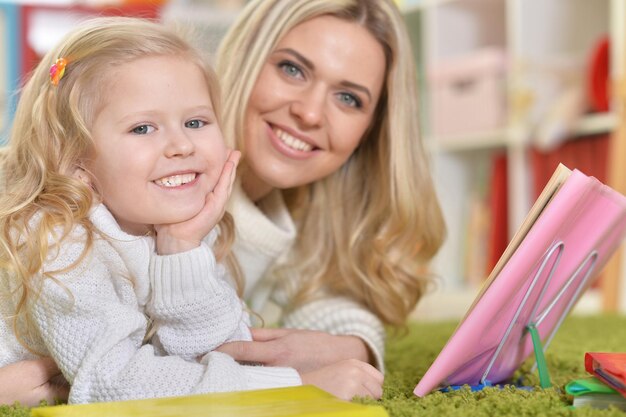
(51, 134)
(368, 230)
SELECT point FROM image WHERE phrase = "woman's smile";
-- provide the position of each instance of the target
(289, 145)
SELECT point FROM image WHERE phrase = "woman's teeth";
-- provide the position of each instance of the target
(175, 180)
(292, 142)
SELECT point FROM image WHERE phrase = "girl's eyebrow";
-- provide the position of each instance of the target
(202, 108)
(142, 114)
(153, 113)
(307, 63)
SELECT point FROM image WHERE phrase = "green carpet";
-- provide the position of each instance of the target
(409, 356)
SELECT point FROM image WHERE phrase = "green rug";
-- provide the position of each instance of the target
(409, 356)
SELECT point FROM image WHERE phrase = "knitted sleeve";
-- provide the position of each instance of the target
(193, 307)
(341, 316)
(91, 324)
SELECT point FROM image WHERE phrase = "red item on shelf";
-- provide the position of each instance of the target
(499, 236)
(598, 89)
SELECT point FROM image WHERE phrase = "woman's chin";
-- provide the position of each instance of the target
(281, 179)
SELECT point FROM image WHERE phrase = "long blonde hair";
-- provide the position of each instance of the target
(368, 230)
(50, 134)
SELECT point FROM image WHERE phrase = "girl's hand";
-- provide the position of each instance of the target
(184, 236)
(29, 382)
(347, 379)
(304, 350)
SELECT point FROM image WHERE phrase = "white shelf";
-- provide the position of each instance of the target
(493, 139)
(591, 124)
(547, 45)
(595, 123)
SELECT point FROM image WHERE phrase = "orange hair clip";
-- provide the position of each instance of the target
(57, 71)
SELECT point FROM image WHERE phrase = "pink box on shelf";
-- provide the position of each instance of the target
(468, 93)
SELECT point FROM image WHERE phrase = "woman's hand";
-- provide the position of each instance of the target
(184, 236)
(347, 379)
(304, 350)
(29, 382)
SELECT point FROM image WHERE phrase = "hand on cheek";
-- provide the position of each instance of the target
(184, 236)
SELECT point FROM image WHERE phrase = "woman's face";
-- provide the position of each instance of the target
(312, 103)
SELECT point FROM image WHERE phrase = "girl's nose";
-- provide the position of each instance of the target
(179, 145)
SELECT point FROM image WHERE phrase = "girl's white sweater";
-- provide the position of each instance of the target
(93, 319)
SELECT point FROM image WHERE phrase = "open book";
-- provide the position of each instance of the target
(568, 236)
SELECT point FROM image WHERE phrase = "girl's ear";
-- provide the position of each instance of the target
(81, 174)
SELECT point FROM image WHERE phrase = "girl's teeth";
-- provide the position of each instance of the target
(175, 180)
(291, 141)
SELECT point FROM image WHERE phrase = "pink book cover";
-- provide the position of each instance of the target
(568, 236)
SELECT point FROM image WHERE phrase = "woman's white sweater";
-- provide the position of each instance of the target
(265, 233)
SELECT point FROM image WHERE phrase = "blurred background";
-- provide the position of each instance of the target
(509, 89)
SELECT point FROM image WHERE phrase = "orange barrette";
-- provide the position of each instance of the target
(57, 71)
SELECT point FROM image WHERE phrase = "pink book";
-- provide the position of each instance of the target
(568, 236)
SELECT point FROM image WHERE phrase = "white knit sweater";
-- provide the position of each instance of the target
(92, 320)
(265, 233)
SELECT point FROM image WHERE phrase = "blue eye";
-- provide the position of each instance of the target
(142, 129)
(195, 124)
(350, 100)
(290, 69)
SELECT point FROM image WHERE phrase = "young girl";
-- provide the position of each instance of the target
(116, 178)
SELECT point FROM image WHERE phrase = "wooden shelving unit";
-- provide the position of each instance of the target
(534, 35)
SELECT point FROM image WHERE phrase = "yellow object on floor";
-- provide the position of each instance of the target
(303, 401)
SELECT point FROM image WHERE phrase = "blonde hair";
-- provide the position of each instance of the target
(50, 135)
(368, 230)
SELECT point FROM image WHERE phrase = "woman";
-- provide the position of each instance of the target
(321, 98)
(335, 210)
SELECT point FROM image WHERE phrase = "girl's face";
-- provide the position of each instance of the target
(312, 103)
(158, 148)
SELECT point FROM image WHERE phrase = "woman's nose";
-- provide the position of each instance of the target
(309, 106)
